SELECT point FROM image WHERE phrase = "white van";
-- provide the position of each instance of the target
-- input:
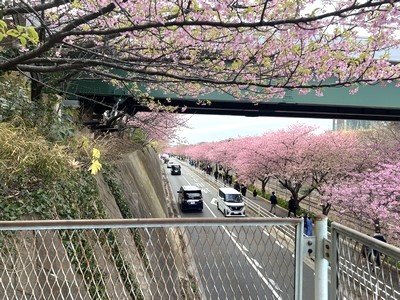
(230, 202)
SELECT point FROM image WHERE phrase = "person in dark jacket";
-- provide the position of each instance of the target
(216, 175)
(292, 207)
(373, 254)
(378, 235)
(274, 202)
(243, 189)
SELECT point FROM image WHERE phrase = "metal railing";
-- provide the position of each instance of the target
(362, 266)
(204, 258)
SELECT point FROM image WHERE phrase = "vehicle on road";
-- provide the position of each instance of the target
(176, 169)
(170, 163)
(190, 198)
(230, 202)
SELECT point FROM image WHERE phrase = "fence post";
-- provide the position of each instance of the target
(321, 264)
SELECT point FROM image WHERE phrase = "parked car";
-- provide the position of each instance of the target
(176, 169)
(190, 198)
(230, 202)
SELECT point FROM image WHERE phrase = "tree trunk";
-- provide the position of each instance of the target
(326, 208)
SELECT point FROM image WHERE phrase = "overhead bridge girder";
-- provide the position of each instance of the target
(378, 101)
(249, 109)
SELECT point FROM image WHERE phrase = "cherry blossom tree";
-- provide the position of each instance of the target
(223, 154)
(372, 196)
(302, 160)
(254, 49)
(253, 161)
(337, 154)
(156, 126)
(199, 153)
(290, 154)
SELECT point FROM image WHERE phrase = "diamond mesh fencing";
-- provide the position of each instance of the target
(150, 259)
(362, 267)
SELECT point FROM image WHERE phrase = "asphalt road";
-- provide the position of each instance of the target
(239, 262)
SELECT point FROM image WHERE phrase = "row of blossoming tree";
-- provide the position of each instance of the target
(355, 172)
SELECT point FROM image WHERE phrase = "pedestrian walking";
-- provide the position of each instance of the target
(255, 193)
(243, 190)
(274, 201)
(236, 186)
(379, 236)
(373, 255)
(216, 175)
(292, 207)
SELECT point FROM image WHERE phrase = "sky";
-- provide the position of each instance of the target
(208, 128)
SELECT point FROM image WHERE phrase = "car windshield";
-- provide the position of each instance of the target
(233, 198)
(192, 195)
(176, 167)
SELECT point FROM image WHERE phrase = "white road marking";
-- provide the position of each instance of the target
(214, 201)
(269, 282)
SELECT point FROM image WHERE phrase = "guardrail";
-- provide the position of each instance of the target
(362, 267)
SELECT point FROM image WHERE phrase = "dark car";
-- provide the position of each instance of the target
(190, 198)
(175, 169)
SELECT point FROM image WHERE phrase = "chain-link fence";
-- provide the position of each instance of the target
(363, 267)
(151, 259)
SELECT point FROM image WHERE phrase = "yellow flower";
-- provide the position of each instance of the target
(95, 153)
(95, 167)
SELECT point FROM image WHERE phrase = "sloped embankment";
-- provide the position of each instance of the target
(106, 264)
(145, 194)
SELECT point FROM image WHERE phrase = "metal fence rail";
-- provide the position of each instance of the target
(151, 259)
(363, 267)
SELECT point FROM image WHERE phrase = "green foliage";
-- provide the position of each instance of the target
(23, 34)
(28, 161)
(15, 98)
(61, 128)
(138, 136)
(16, 106)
